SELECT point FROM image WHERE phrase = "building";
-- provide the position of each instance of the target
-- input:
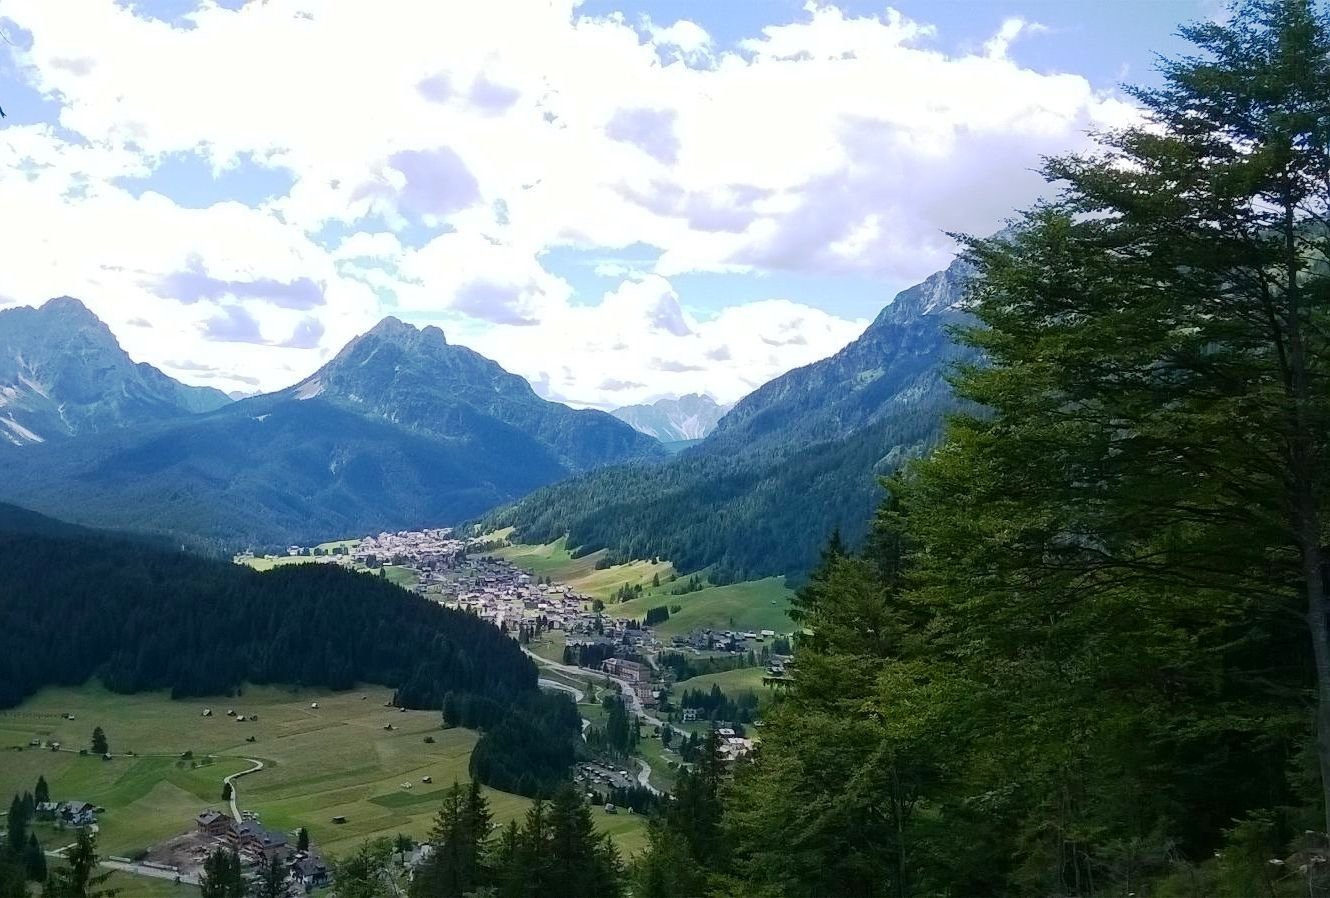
(254, 839)
(624, 670)
(215, 823)
(76, 813)
(309, 870)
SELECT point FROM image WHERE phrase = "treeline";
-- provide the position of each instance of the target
(1085, 648)
(715, 704)
(137, 617)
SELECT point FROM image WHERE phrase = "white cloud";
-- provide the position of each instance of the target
(638, 344)
(449, 149)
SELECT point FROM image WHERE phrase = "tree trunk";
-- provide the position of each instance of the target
(1313, 567)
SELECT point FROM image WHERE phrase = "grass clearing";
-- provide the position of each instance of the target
(751, 605)
(319, 763)
(554, 560)
(731, 682)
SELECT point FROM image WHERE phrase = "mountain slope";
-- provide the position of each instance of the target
(399, 430)
(689, 417)
(63, 374)
(415, 379)
(790, 462)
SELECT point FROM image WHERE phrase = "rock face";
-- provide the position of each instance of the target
(400, 429)
(897, 364)
(62, 374)
(690, 417)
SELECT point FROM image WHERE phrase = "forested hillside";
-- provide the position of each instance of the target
(1085, 650)
(80, 604)
(792, 462)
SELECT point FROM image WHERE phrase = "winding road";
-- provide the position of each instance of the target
(625, 689)
(231, 781)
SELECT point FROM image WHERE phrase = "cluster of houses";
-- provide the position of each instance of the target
(67, 813)
(259, 845)
(423, 550)
(705, 640)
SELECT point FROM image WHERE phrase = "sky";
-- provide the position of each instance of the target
(619, 200)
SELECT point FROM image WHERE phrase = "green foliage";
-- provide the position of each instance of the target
(365, 873)
(99, 743)
(222, 876)
(1072, 657)
(554, 852)
(78, 876)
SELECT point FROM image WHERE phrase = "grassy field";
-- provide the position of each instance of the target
(751, 605)
(731, 682)
(553, 560)
(268, 562)
(336, 760)
(549, 645)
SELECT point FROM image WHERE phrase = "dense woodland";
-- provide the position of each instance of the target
(740, 516)
(79, 604)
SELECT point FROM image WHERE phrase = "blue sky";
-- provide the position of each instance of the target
(618, 199)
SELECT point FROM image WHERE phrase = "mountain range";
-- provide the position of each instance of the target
(791, 462)
(403, 429)
(400, 429)
(690, 417)
(62, 374)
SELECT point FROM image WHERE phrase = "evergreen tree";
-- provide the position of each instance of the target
(365, 873)
(459, 839)
(222, 876)
(42, 793)
(99, 743)
(34, 860)
(273, 881)
(583, 863)
(302, 839)
(666, 868)
(78, 878)
(16, 827)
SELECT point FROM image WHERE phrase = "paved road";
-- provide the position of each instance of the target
(626, 688)
(577, 694)
(235, 808)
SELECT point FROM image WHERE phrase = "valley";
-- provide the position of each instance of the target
(336, 760)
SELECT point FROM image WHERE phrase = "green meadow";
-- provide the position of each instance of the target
(336, 760)
(751, 605)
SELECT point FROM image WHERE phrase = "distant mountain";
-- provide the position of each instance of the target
(689, 417)
(416, 380)
(63, 374)
(790, 462)
(400, 429)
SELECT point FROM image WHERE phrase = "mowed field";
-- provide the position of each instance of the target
(553, 560)
(336, 760)
(751, 605)
(731, 682)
